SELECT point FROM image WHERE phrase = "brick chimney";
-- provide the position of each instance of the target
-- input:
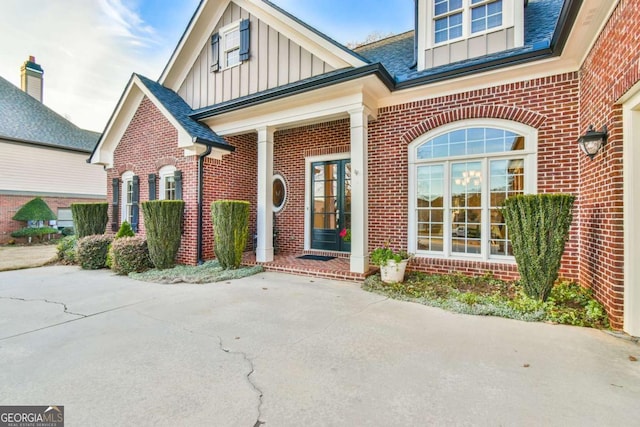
(31, 80)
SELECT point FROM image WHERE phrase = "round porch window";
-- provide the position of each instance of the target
(279, 193)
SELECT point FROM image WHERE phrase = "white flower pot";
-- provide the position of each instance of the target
(393, 272)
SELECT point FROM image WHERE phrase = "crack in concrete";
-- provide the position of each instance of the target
(83, 316)
(253, 385)
(66, 310)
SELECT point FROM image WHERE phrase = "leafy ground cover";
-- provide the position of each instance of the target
(208, 272)
(569, 303)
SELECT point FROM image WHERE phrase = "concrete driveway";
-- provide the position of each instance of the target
(281, 350)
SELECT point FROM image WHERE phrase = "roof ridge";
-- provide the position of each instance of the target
(383, 40)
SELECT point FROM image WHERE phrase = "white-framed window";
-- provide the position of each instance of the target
(456, 19)
(230, 45)
(459, 176)
(167, 183)
(127, 197)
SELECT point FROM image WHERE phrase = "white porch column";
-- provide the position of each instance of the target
(359, 191)
(264, 251)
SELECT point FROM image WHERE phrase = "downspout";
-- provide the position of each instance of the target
(415, 36)
(200, 199)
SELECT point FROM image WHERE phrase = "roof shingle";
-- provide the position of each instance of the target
(24, 118)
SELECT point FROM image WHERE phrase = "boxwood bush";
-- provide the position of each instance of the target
(67, 249)
(231, 230)
(91, 252)
(163, 222)
(130, 254)
(30, 232)
(89, 218)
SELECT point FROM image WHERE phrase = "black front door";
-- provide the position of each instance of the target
(331, 198)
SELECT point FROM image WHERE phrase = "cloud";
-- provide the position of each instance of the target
(124, 22)
(87, 49)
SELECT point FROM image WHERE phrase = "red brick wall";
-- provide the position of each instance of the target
(547, 104)
(609, 71)
(232, 178)
(149, 143)
(10, 204)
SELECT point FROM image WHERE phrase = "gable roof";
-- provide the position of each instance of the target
(170, 104)
(209, 12)
(181, 112)
(24, 118)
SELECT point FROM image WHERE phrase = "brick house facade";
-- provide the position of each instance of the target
(364, 117)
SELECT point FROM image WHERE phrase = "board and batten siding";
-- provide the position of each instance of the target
(34, 169)
(274, 60)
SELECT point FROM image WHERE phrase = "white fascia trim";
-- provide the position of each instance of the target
(117, 125)
(309, 40)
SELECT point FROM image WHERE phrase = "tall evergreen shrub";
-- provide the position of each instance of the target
(35, 210)
(162, 221)
(89, 218)
(231, 231)
(538, 228)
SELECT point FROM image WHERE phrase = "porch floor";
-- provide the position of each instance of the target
(337, 268)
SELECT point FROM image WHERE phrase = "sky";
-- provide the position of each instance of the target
(89, 48)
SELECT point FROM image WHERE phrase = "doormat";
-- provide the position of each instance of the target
(316, 257)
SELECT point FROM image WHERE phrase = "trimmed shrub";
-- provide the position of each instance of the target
(163, 221)
(538, 227)
(125, 230)
(130, 254)
(34, 232)
(231, 230)
(89, 218)
(67, 249)
(91, 252)
(35, 210)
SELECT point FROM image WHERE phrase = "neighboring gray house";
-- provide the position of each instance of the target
(42, 154)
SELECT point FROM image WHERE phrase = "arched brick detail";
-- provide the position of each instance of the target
(166, 161)
(520, 115)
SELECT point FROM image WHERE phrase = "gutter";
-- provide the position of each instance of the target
(297, 88)
(200, 200)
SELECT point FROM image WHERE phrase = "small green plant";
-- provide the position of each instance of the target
(130, 254)
(68, 231)
(162, 221)
(538, 226)
(381, 256)
(67, 249)
(231, 231)
(90, 218)
(91, 251)
(125, 230)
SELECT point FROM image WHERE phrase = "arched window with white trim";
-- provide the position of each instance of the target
(167, 183)
(460, 174)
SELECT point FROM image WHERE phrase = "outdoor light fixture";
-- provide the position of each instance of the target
(593, 141)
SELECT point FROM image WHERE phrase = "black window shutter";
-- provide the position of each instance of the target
(244, 40)
(135, 198)
(215, 52)
(177, 176)
(152, 186)
(115, 217)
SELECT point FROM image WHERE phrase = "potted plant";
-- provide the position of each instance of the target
(392, 264)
